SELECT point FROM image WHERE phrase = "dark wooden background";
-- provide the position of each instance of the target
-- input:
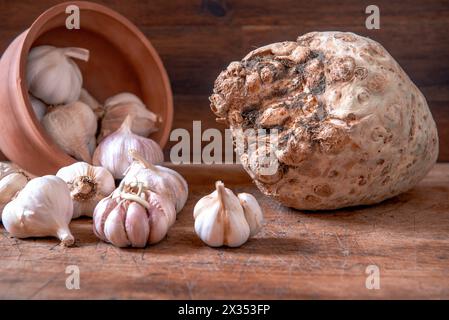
(197, 39)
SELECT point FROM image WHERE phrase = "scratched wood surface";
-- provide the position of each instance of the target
(196, 39)
(296, 255)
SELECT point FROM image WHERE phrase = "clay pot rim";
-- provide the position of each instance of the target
(32, 35)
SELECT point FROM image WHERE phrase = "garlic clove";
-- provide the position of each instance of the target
(114, 227)
(88, 99)
(116, 110)
(88, 185)
(72, 127)
(112, 152)
(162, 217)
(101, 213)
(53, 76)
(220, 220)
(253, 212)
(39, 108)
(137, 225)
(42, 208)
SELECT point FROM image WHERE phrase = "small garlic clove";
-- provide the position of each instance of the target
(101, 213)
(220, 220)
(53, 76)
(162, 217)
(9, 186)
(137, 225)
(114, 227)
(42, 208)
(253, 212)
(72, 127)
(112, 152)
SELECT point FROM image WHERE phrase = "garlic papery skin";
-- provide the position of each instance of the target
(220, 219)
(88, 185)
(118, 107)
(158, 178)
(12, 180)
(43, 208)
(112, 152)
(88, 99)
(39, 108)
(133, 217)
(53, 76)
(253, 212)
(72, 127)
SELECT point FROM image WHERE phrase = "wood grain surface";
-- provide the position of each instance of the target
(296, 255)
(198, 38)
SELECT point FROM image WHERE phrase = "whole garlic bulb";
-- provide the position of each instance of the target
(112, 152)
(158, 178)
(221, 218)
(72, 127)
(133, 216)
(116, 110)
(43, 208)
(12, 180)
(88, 99)
(39, 108)
(87, 185)
(53, 76)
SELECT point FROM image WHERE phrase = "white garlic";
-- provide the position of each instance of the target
(112, 152)
(133, 216)
(43, 208)
(12, 180)
(72, 127)
(221, 218)
(158, 178)
(116, 110)
(87, 185)
(39, 108)
(93, 103)
(53, 76)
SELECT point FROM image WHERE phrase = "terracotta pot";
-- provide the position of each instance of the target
(121, 59)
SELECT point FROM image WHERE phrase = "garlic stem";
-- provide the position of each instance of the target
(66, 237)
(138, 157)
(77, 53)
(135, 198)
(127, 123)
(219, 186)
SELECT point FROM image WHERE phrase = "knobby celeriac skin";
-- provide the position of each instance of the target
(353, 128)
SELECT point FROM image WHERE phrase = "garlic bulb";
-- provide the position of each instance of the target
(158, 178)
(118, 107)
(12, 180)
(39, 108)
(87, 185)
(53, 76)
(72, 127)
(221, 218)
(43, 208)
(96, 107)
(112, 152)
(133, 216)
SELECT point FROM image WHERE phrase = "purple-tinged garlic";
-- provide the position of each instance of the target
(112, 152)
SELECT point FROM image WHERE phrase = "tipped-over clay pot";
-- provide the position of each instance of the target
(121, 59)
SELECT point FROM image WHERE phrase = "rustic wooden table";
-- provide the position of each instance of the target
(297, 255)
